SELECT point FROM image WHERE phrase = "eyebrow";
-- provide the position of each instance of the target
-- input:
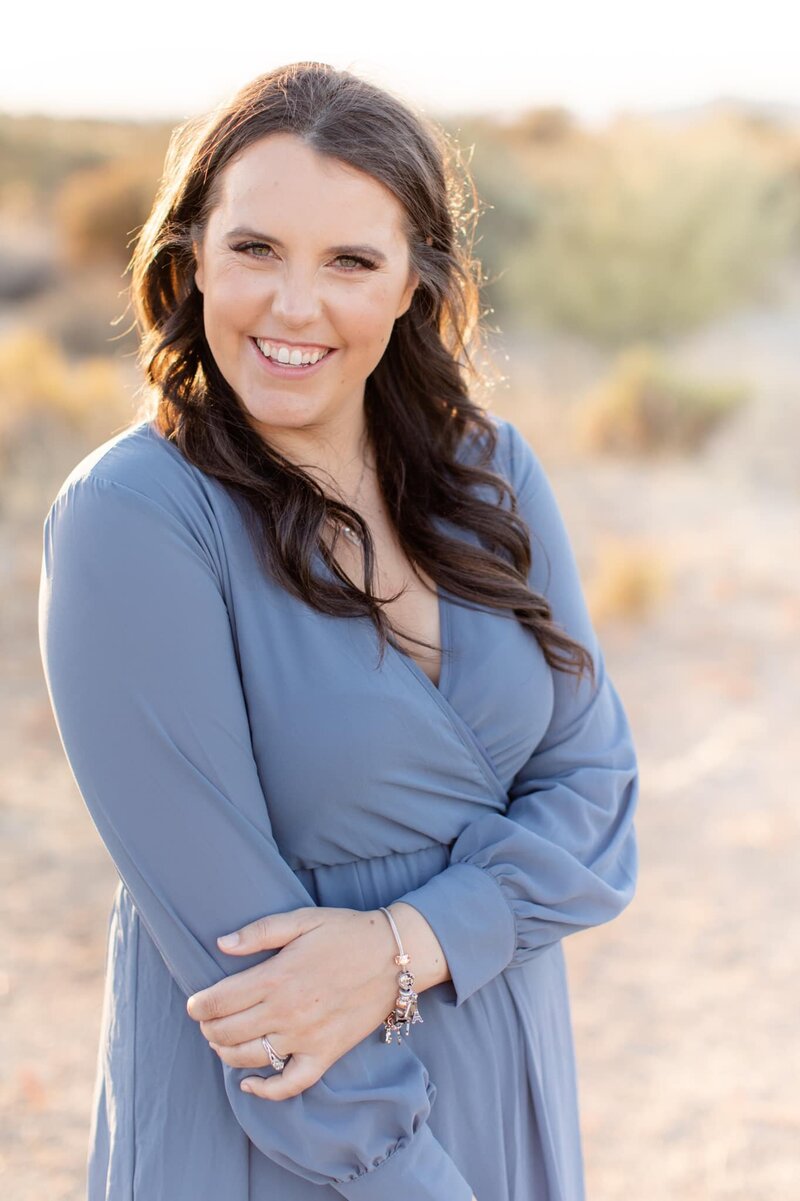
(242, 231)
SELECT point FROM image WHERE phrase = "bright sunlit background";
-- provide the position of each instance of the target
(639, 168)
(92, 58)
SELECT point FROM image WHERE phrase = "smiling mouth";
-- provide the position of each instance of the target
(283, 357)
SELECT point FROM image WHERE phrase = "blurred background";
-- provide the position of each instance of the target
(640, 180)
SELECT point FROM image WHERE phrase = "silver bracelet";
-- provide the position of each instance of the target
(406, 1010)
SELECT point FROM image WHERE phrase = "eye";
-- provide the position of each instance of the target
(250, 246)
(367, 264)
(361, 262)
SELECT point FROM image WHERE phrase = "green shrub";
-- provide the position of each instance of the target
(633, 233)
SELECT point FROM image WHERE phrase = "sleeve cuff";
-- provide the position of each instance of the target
(469, 914)
(421, 1169)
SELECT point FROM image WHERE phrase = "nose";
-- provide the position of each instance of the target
(295, 301)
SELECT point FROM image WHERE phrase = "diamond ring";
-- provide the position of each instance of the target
(275, 1059)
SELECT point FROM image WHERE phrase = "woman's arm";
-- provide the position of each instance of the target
(141, 669)
(563, 857)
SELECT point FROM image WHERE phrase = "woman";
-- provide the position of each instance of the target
(318, 653)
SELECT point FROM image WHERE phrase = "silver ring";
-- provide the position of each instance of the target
(275, 1059)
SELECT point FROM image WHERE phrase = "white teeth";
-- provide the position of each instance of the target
(290, 355)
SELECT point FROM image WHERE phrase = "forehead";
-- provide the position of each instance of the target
(280, 179)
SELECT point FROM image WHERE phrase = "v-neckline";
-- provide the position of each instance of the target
(440, 693)
(439, 689)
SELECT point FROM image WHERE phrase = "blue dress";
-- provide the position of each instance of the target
(242, 754)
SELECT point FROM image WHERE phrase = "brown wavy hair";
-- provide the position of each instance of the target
(418, 410)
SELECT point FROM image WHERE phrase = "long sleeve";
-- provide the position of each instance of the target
(140, 665)
(563, 857)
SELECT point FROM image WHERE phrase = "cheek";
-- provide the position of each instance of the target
(371, 318)
(232, 298)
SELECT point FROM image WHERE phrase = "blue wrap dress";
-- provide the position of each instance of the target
(242, 754)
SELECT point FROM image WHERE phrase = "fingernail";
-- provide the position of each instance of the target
(245, 1087)
(228, 940)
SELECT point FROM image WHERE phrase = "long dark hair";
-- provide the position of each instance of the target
(418, 411)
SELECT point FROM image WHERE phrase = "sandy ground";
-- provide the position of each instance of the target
(685, 1007)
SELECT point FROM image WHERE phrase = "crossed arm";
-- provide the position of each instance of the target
(140, 665)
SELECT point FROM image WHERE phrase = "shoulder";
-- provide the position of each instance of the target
(514, 458)
(139, 468)
(136, 493)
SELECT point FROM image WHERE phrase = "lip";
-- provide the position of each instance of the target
(283, 371)
(286, 342)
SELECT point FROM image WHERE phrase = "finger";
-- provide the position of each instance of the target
(232, 995)
(240, 991)
(249, 1054)
(243, 1026)
(300, 1073)
(272, 930)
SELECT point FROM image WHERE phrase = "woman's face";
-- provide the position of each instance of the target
(301, 252)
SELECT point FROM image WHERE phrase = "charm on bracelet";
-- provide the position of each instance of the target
(406, 1011)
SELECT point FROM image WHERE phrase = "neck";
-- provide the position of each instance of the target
(337, 458)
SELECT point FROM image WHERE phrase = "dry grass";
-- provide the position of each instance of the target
(37, 378)
(629, 581)
(52, 408)
(644, 407)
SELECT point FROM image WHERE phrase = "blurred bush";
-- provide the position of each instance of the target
(50, 409)
(38, 153)
(23, 274)
(37, 377)
(88, 314)
(635, 231)
(99, 211)
(645, 407)
(630, 580)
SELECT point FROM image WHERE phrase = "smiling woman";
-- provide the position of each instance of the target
(301, 293)
(405, 838)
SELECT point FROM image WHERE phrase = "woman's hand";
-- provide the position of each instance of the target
(331, 986)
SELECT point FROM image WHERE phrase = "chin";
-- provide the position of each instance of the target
(286, 414)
